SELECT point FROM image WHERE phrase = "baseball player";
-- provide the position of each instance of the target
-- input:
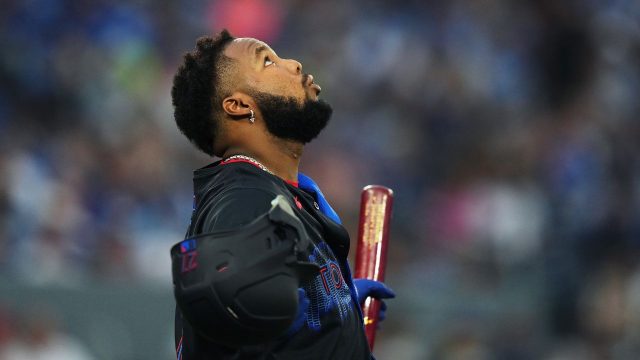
(263, 271)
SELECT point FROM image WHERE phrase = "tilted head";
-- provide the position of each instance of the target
(224, 79)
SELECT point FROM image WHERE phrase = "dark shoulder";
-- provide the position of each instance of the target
(236, 175)
(233, 195)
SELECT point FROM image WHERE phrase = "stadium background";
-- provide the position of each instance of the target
(509, 131)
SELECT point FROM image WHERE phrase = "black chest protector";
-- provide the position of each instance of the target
(239, 287)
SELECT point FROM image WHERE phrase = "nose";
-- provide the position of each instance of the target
(294, 66)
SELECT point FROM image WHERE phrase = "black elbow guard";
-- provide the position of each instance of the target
(239, 287)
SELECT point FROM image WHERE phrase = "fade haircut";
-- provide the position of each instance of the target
(198, 84)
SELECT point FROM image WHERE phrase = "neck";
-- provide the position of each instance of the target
(281, 157)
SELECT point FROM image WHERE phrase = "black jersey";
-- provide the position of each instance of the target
(228, 196)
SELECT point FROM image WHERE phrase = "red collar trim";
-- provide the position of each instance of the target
(292, 183)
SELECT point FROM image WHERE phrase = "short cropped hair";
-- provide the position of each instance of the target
(199, 84)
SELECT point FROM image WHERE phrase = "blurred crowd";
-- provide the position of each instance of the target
(36, 335)
(508, 130)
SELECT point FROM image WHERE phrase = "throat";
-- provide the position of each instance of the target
(281, 160)
(287, 162)
(294, 150)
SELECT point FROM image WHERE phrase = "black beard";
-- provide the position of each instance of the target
(287, 119)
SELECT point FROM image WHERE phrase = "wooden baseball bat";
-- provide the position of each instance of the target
(371, 253)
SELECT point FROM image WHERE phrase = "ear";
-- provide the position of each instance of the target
(237, 105)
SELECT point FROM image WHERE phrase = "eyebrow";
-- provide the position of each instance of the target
(260, 49)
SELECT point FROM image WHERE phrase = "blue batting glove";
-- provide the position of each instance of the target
(383, 312)
(301, 316)
(375, 289)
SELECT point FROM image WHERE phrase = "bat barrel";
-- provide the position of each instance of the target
(371, 255)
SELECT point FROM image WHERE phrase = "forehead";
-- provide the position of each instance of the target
(245, 49)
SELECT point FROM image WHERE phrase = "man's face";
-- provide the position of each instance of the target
(262, 70)
(287, 98)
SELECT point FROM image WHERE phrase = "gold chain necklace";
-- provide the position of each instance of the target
(249, 159)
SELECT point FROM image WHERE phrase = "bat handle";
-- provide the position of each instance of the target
(370, 311)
